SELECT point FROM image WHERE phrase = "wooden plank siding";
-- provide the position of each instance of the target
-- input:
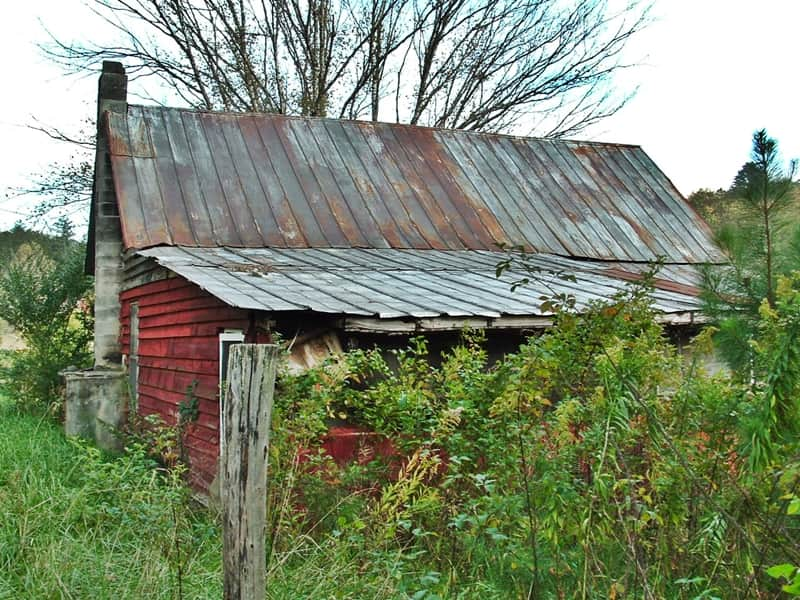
(179, 327)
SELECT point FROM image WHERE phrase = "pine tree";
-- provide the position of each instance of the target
(759, 248)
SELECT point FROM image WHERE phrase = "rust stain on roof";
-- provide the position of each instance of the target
(659, 283)
(201, 179)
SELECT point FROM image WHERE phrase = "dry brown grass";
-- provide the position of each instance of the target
(9, 339)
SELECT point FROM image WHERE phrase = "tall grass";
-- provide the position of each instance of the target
(76, 524)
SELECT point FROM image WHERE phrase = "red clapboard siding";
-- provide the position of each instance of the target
(203, 446)
(195, 347)
(187, 365)
(200, 315)
(206, 432)
(178, 381)
(179, 325)
(156, 287)
(209, 407)
(166, 305)
(187, 330)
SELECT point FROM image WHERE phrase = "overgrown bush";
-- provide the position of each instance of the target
(596, 462)
(47, 300)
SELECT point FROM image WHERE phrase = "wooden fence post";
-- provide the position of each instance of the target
(247, 407)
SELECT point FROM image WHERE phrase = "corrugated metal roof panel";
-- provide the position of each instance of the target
(200, 179)
(391, 283)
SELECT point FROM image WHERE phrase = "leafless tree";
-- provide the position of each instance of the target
(447, 63)
(545, 65)
(65, 187)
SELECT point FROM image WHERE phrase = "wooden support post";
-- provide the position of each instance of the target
(247, 407)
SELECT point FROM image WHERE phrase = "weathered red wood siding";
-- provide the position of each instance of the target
(179, 326)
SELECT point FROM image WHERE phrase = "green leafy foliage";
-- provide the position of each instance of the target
(774, 410)
(596, 459)
(594, 462)
(46, 300)
(787, 571)
(189, 407)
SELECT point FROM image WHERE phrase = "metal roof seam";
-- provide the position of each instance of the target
(280, 141)
(121, 192)
(422, 198)
(351, 198)
(195, 219)
(440, 289)
(638, 190)
(338, 212)
(219, 229)
(259, 173)
(174, 170)
(406, 225)
(584, 246)
(340, 300)
(523, 186)
(248, 180)
(469, 236)
(467, 163)
(606, 216)
(679, 203)
(239, 180)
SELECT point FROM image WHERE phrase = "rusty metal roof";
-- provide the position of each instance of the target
(398, 284)
(200, 179)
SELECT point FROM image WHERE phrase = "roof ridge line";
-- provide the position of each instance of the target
(228, 113)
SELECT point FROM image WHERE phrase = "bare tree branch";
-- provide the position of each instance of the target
(474, 65)
(465, 64)
(82, 140)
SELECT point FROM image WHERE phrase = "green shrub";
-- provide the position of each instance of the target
(45, 300)
(595, 462)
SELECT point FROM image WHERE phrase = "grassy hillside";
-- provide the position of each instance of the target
(11, 240)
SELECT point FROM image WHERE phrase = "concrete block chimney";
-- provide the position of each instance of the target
(105, 224)
(95, 400)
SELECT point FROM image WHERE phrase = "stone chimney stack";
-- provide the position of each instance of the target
(105, 234)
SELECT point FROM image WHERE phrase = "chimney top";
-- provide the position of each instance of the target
(113, 83)
(112, 66)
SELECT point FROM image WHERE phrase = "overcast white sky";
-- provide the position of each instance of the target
(712, 72)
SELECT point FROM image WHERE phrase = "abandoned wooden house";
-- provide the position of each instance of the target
(210, 228)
